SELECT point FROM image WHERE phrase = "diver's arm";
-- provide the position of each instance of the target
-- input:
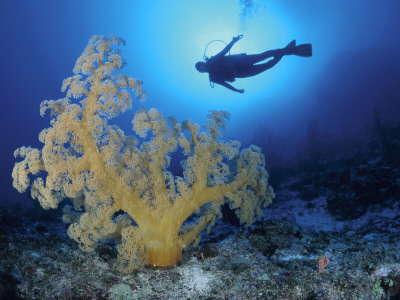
(228, 86)
(229, 46)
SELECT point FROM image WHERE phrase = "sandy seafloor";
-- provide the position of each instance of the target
(274, 260)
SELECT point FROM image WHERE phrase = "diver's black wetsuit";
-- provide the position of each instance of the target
(227, 68)
(224, 68)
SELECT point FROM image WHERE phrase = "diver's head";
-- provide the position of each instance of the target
(201, 67)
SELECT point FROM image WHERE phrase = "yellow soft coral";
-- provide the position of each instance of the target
(124, 190)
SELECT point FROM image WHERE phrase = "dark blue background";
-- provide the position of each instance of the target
(355, 66)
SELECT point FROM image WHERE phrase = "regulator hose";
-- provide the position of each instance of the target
(205, 50)
(205, 58)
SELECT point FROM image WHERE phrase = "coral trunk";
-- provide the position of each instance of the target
(164, 253)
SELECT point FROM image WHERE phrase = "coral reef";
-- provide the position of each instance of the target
(121, 187)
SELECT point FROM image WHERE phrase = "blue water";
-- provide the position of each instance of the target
(355, 65)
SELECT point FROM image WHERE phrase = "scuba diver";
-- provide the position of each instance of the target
(222, 68)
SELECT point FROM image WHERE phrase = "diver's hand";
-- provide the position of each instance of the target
(236, 38)
(240, 91)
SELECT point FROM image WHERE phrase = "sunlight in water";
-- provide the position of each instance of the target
(175, 37)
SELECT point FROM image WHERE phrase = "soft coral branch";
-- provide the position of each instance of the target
(122, 187)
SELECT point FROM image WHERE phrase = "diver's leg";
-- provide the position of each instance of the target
(248, 67)
(257, 69)
(255, 58)
(277, 53)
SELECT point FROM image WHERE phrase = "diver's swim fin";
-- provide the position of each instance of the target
(291, 45)
(304, 50)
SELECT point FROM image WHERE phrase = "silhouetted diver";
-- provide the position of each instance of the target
(223, 68)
